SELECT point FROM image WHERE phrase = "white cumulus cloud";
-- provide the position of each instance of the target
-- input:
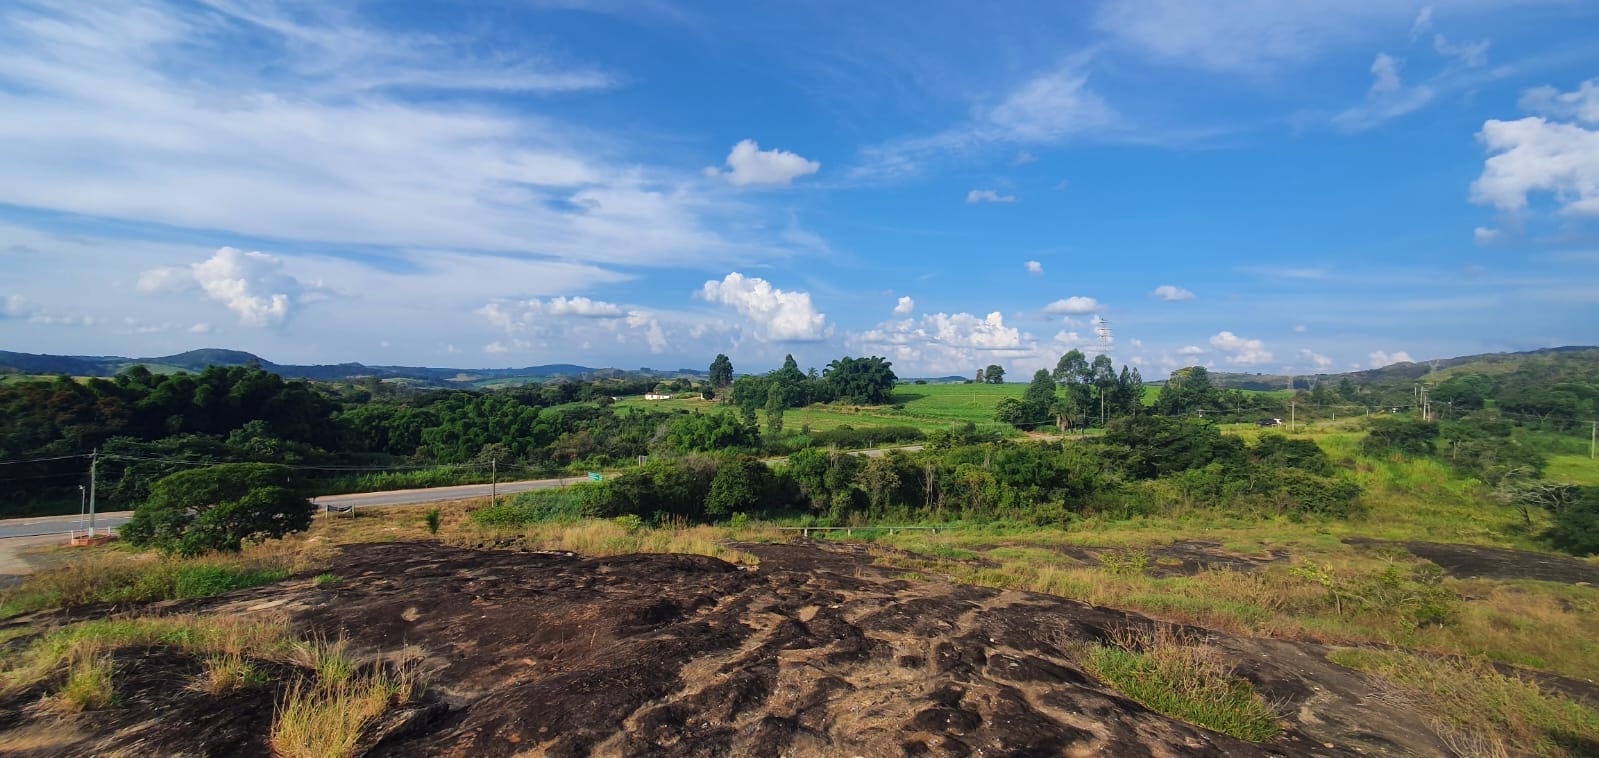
(1034, 267)
(777, 316)
(988, 196)
(253, 285)
(946, 342)
(748, 164)
(1073, 306)
(1241, 351)
(527, 314)
(1380, 358)
(1483, 235)
(1171, 293)
(1191, 350)
(1535, 154)
(905, 306)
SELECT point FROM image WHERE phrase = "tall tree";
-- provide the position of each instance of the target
(1040, 394)
(721, 371)
(1133, 387)
(775, 403)
(995, 374)
(1104, 380)
(1071, 367)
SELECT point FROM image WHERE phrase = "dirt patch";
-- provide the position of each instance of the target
(1475, 562)
(1185, 558)
(815, 652)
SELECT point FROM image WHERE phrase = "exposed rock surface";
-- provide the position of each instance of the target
(816, 652)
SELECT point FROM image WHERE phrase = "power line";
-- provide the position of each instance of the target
(297, 467)
(41, 460)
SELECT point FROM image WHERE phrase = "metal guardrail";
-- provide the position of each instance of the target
(850, 530)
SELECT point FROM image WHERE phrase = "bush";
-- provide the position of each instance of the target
(738, 486)
(1576, 524)
(848, 437)
(537, 506)
(1308, 493)
(218, 508)
(1391, 435)
(431, 519)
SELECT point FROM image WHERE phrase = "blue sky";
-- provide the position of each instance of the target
(1271, 187)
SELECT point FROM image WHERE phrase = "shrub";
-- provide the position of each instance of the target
(1576, 524)
(1124, 561)
(738, 486)
(848, 437)
(629, 522)
(1391, 435)
(538, 506)
(432, 520)
(1320, 495)
(218, 508)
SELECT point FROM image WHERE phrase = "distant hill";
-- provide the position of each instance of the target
(1399, 373)
(198, 360)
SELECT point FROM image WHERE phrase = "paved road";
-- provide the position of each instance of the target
(41, 525)
(440, 494)
(45, 525)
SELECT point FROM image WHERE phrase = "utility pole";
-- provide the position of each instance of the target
(94, 463)
(83, 504)
(1593, 437)
(494, 481)
(1292, 408)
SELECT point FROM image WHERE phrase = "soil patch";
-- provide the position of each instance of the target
(1474, 562)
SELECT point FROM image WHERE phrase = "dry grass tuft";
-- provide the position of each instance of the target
(225, 672)
(1185, 679)
(315, 719)
(88, 683)
(596, 537)
(1479, 707)
(64, 648)
(118, 576)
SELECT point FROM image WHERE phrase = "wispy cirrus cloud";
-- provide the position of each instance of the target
(1051, 107)
(144, 112)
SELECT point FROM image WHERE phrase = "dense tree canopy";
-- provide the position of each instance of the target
(218, 508)
(721, 373)
(867, 381)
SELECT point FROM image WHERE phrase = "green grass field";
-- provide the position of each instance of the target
(1577, 469)
(928, 407)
